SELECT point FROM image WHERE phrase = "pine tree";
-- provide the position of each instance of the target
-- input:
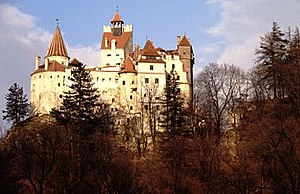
(17, 106)
(271, 58)
(173, 110)
(81, 107)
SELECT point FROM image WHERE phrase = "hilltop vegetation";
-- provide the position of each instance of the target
(240, 135)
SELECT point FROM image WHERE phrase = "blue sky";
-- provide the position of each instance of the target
(224, 31)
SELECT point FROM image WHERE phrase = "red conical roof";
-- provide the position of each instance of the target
(57, 45)
(149, 49)
(127, 66)
(117, 18)
(184, 41)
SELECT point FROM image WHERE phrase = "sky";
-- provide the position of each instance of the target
(223, 31)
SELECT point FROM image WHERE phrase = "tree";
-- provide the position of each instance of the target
(17, 106)
(81, 105)
(218, 87)
(271, 58)
(173, 106)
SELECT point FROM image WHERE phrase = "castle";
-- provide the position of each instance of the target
(127, 78)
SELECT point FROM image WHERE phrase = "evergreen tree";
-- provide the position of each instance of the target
(173, 110)
(80, 106)
(17, 106)
(271, 57)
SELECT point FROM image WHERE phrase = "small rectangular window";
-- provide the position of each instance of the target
(156, 80)
(173, 66)
(146, 80)
(146, 107)
(178, 77)
(151, 67)
(58, 84)
(131, 107)
(123, 82)
(103, 79)
(130, 97)
(112, 100)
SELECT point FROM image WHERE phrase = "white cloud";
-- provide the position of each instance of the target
(243, 22)
(21, 40)
(87, 55)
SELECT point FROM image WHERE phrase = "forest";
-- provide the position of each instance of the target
(239, 134)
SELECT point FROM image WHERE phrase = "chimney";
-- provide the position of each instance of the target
(178, 40)
(46, 63)
(37, 62)
(113, 44)
(106, 42)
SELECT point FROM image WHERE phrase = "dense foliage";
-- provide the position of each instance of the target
(17, 106)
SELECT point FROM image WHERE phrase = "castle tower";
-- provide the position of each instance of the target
(49, 80)
(128, 80)
(116, 42)
(186, 55)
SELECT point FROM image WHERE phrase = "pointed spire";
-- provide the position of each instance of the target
(57, 46)
(127, 66)
(117, 17)
(184, 41)
(149, 49)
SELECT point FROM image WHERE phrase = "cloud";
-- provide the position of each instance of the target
(89, 55)
(243, 22)
(21, 40)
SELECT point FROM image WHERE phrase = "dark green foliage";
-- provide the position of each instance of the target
(81, 106)
(173, 111)
(271, 58)
(17, 106)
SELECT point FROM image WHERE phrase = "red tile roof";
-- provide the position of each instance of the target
(127, 66)
(120, 40)
(53, 66)
(184, 41)
(75, 62)
(57, 45)
(149, 49)
(116, 18)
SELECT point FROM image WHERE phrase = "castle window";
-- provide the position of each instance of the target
(145, 95)
(39, 76)
(116, 109)
(157, 107)
(146, 80)
(123, 82)
(60, 96)
(173, 66)
(151, 67)
(156, 98)
(112, 109)
(112, 100)
(132, 82)
(103, 79)
(57, 76)
(156, 80)
(64, 77)
(146, 107)
(130, 97)
(58, 84)
(97, 78)
(118, 64)
(50, 76)
(178, 77)
(131, 107)
(108, 55)
(109, 79)
(165, 66)
(117, 55)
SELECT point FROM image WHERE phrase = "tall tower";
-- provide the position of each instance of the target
(116, 43)
(186, 55)
(49, 80)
